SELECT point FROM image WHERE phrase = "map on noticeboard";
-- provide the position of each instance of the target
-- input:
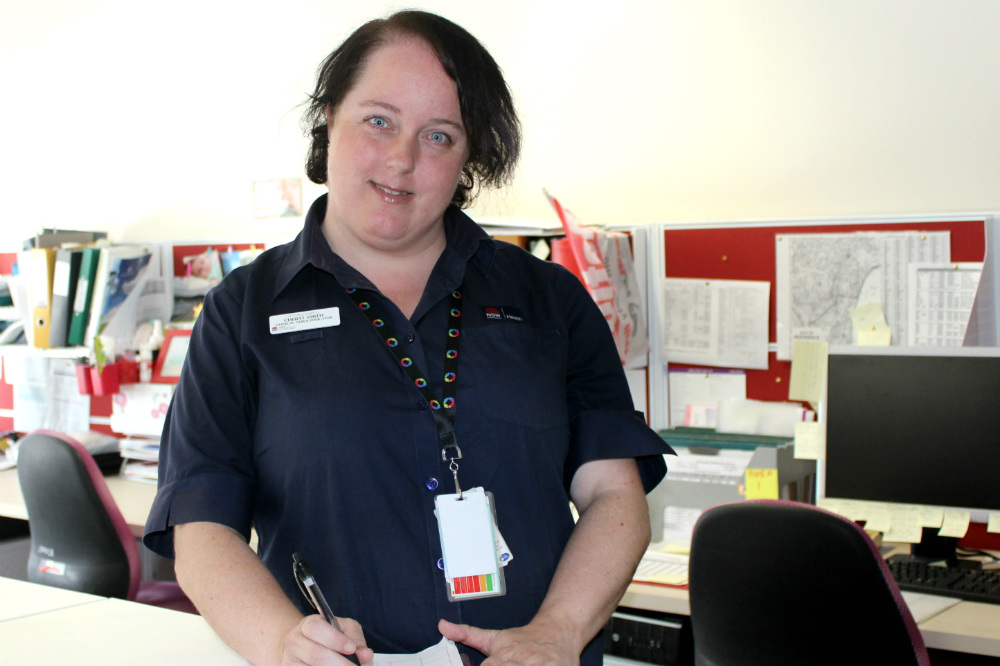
(821, 277)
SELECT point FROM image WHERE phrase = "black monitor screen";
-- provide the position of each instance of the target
(915, 426)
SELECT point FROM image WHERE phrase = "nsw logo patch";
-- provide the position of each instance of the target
(502, 313)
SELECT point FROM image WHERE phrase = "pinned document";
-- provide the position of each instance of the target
(941, 296)
(695, 394)
(716, 322)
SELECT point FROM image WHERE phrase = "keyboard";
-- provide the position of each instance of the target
(968, 584)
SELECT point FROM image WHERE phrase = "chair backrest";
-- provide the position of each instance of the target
(79, 539)
(775, 582)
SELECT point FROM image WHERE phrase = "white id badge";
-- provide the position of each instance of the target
(469, 544)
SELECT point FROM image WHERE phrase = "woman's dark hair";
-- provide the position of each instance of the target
(491, 124)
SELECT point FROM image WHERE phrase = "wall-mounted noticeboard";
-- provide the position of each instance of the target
(746, 251)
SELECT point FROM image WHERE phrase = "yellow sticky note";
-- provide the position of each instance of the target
(762, 483)
(878, 519)
(956, 524)
(993, 522)
(833, 506)
(906, 527)
(870, 327)
(853, 510)
(810, 440)
(931, 517)
(879, 337)
(809, 361)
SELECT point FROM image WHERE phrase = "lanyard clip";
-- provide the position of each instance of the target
(451, 453)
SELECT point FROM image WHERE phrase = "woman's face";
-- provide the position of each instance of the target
(397, 147)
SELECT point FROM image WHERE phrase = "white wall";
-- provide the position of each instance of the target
(151, 119)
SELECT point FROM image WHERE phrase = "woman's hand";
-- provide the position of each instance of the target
(315, 642)
(532, 645)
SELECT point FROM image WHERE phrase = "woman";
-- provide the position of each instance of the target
(326, 403)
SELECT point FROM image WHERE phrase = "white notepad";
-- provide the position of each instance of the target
(443, 654)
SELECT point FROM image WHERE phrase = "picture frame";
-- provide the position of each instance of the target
(170, 360)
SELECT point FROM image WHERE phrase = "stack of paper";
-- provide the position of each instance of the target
(662, 568)
(140, 458)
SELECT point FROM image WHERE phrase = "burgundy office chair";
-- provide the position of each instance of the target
(774, 582)
(79, 539)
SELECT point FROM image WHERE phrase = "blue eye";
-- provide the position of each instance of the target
(438, 137)
(378, 121)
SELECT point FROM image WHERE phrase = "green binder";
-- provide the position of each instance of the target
(84, 293)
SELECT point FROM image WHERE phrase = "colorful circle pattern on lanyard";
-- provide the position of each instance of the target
(447, 400)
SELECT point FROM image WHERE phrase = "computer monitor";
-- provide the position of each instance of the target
(914, 426)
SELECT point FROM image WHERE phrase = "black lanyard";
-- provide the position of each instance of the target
(443, 409)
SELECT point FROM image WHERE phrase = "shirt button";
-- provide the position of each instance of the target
(422, 405)
(441, 564)
(431, 483)
(410, 337)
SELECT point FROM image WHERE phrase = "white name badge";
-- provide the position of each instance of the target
(469, 543)
(303, 321)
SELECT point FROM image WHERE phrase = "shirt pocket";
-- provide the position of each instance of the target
(511, 410)
(514, 373)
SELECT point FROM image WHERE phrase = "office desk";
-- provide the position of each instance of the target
(134, 498)
(21, 599)
(969, 627)
(108, 632)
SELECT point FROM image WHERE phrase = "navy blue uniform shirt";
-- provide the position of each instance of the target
(318, 441)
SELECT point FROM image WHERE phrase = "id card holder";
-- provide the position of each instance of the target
(469, 543)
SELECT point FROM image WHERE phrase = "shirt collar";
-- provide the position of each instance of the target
(467, 243)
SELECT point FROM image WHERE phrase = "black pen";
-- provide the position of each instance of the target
(311, 590)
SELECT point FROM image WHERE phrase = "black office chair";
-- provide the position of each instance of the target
(79, 539)
(774, 582)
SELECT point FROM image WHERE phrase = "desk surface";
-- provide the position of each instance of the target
(134, 498)
(22, 599)
(107, 632)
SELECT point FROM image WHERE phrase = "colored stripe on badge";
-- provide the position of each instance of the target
(472, 584)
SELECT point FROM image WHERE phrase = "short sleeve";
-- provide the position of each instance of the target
(602, 434)
(602, 419)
